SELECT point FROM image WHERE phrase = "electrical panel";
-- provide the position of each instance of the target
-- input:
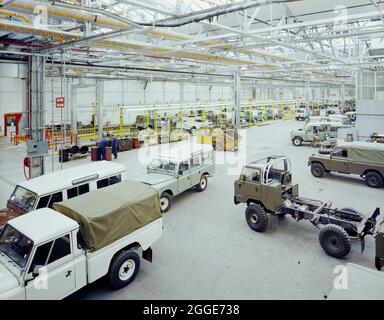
(36, 148)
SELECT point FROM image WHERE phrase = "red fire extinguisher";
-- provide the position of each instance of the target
(27, 164)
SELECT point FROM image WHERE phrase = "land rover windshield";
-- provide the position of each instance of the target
(23, 198)
(15, 246)
(164, 165)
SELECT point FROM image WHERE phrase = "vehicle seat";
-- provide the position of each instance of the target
(276, 175)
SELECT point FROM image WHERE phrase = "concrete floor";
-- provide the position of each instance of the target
(209, 252)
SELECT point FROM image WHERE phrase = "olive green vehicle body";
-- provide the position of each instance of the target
(379, 241)
(358, 158)
(269, 194)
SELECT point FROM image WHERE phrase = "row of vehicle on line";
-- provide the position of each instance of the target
(91, 223)
(331, 115)
(98, 230)
(170, 173)
(211, 119)
(322, 130)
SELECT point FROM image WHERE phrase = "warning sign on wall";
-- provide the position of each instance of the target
(60, 101)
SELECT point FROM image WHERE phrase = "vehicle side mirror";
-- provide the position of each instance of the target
(36, 270)
(180, 172)
(243, 177)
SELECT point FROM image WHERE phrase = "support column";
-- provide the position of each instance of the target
(342, 95)
(99, 106)
(254, 92)
(37, 147)
(181, 92)
(74, 109)
(24, 125)
(306, 91)
(237, 98)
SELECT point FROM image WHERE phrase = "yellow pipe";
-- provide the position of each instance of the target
(71, 14)
(115, 24)
(167, 52)
(94, 18)
(26, 28)
(9, 13)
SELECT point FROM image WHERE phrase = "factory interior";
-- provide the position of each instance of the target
(191, 150)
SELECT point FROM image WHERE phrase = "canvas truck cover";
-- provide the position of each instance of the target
(365, 152)
(111, 213)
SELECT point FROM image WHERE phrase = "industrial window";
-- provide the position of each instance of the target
(61, 248)
(56, 197)
(76, 191)
(43, 202)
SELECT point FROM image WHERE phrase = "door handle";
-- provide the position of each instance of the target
(68, 273)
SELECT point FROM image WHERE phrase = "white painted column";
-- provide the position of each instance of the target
(99, 106)
(237, 98)
(181, 92)
(74, 109)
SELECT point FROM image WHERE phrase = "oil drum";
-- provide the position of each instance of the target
(135, 143)
(108, 153)
(95, 154)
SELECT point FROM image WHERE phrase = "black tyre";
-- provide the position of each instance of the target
(374, 180)
(165, 201)
(317, 170)
(256, 217)
(202, 184)
(123, 269)
(335, 241)
(297, 141)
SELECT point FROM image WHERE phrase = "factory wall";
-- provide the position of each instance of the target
(132, 93)
(369, 118)
(11, 85)
(129, 93)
